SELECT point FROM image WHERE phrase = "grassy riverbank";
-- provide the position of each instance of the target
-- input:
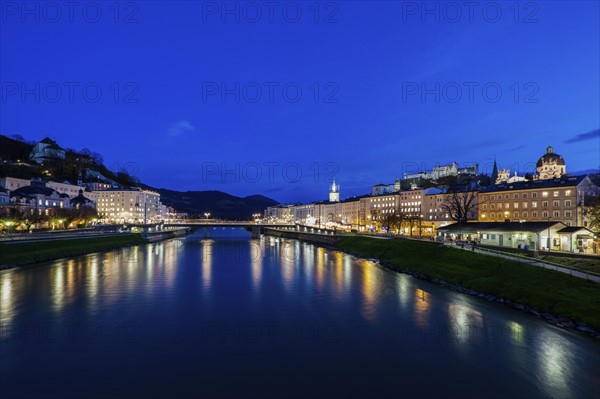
(31, 252)
(585, 265)
(546, 290)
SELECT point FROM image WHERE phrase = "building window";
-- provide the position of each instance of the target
(567, 214)
(555, 193)
(524, 205)
(555, 204)
(544, 214)
(533, 195)
(516, 195)
(567, 193)
(556, 214)
(506, 205)
(534, 214)
(568, 203)
(544, 204)
(525, 195)
(534, 204)
(515, 214)
(545, 194)
(524, 214)
(515, 205)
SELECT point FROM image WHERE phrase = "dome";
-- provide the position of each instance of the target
(32, 190)
(550, 157)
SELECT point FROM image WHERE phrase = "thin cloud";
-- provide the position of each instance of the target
(180, 128)
(594, 134)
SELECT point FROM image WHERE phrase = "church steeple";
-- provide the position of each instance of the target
(494, 172)
(334, 192)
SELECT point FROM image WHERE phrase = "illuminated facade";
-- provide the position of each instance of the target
(550, 165)
(559, 200)
(334, 192)
(131, 205)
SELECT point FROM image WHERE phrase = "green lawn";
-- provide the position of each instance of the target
(545, 290)
(25, 253)
(586, 265)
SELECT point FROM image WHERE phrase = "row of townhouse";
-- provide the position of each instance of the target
(356, 213)
(38, 199)
(114, 205)
(560, 199)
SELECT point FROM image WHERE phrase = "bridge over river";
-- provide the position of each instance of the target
(255, 227)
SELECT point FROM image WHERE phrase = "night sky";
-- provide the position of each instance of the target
(278, 101)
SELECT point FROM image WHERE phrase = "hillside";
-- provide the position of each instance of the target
(14, 150)
(217, 203)
(195, 203)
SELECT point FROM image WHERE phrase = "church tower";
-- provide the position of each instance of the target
(494, 173)
(550, 165)
(397, 185)
(334, 192)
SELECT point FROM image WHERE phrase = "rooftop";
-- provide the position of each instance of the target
(564, 181)
(500, 226)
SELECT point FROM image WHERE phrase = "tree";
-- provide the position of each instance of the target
(592, 213)
(395, 220)
(591, 205)
(97, 158)
(18, 137)
(412, 220)
(460, 202)
(484, 180)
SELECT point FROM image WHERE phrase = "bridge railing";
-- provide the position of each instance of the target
(212, 222)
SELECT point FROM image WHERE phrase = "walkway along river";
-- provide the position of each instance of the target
(233, 316)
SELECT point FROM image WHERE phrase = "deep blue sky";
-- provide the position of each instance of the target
(365, 57)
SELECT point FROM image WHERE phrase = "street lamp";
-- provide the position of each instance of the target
(549, 243)
(206, 214)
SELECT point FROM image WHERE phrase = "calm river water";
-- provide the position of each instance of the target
(235, 317)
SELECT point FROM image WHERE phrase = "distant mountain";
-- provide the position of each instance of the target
(585, 172)
(217, 203)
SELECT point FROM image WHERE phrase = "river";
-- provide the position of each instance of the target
(231, 316)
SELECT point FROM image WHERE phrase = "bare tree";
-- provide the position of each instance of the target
(412, 220)
(460, 202)
(394, 220)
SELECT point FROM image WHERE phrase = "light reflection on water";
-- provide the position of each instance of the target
(301, 283)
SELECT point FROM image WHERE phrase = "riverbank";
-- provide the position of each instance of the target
(22, 253)
(561, 299)
(314, 238)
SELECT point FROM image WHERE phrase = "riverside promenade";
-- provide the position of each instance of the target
(533, 262)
